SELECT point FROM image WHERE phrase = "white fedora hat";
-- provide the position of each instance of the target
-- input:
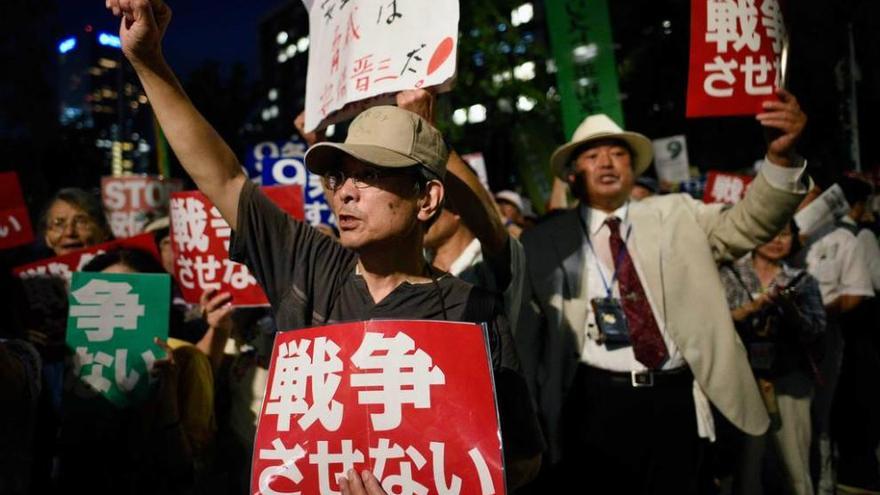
(597, 127)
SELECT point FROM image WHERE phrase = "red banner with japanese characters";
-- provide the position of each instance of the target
(736, 56)
(63, 266)
(15, 224)
(722, 187)
(133, 201)
(200, 240)
(411, 401)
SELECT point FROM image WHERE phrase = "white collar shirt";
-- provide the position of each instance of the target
(840, 264)
(599, 257)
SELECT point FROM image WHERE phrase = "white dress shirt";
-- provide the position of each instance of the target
(840, 264)
(623, 359)
(595, 354)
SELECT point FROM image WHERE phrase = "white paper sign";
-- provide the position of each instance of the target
(824, 210)
(361, 52)
(671, 159)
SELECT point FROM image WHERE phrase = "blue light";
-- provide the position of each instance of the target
(67, 45)
(109, 40)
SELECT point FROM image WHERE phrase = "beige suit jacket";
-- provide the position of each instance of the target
(680, 242)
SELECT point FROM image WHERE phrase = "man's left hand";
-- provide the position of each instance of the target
(787, 117)
(417, 101)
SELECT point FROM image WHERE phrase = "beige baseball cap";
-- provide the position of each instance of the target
(385, 136)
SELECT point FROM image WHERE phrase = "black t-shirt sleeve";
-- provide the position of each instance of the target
(283, 253)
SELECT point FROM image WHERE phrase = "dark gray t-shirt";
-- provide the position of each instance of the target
(311, 280)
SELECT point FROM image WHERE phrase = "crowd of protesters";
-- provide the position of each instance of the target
(641, 341)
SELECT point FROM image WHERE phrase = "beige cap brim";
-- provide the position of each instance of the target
(323, 156)
(640, 145)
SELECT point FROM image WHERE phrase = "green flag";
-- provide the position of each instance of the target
(580, 34)
(111, 324)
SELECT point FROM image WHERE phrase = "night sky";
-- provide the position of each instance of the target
(222, 30)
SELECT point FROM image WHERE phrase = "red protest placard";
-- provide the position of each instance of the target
(15, 223)
(722, 187)
(133, 201)
(412, 401)
(736, 51)
(63, 266)
(46, 282)
(200, 240)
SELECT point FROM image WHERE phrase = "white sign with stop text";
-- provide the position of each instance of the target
(131, 202)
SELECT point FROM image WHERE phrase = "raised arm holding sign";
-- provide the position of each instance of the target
(385, 184)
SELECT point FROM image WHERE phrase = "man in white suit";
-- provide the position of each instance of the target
(626, 330)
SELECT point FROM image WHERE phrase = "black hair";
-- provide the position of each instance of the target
(854, 190)
(83, 200)
(137, 259)
(160, 234)
(796, 244)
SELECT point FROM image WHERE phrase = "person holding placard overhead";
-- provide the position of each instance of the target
(385, 184)
(625, 326)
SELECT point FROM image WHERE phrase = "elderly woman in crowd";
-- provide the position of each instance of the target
(73, 220)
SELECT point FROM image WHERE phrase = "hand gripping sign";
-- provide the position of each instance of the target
(112, 321)
(15, 223)
(362, 51)
(200, 240)
(412, 401)
(134, 201)
(736, 56)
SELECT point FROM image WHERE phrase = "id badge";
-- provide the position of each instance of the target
(611, 321)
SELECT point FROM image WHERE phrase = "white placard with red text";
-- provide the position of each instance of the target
(15, 223)
(723, 187)
(736, 55)
(133, 201)
(362, 51)
(411, 401)
(200, 241)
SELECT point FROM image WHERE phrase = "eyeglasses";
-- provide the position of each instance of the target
(78, 222)
(368, 177)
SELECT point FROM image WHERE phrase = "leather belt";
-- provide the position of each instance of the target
(638, 379)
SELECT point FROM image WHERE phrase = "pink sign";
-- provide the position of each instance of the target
(736, 56)
(63, 266)
(727, 188)
(15, 224)
(133, 201)
(200, 239)
(411, 401)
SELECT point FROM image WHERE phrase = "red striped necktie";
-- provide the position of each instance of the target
(647, 342)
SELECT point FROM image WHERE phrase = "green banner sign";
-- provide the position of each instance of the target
(580, 34)
(111, 324)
